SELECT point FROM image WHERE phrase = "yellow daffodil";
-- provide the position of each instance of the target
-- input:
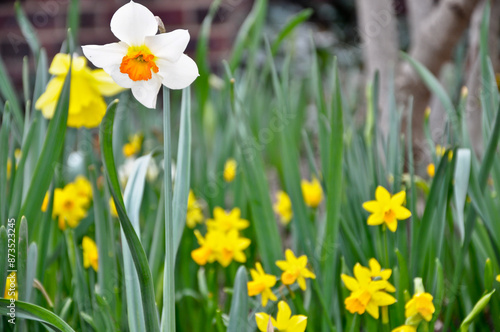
(387, 209)
(405, 328)
(45, 202)
(9, 168)
(441, 150)
(90, 253)
(431, 170)
(498, 278)
(366, 294)
(230, 170)
(283, 207)
(284, 321)
(377, 273)
(83, 187)
(220, 246)
(261, 284)
(294, 269)
(11, 286)
(420, 304)
(226, 221)
(112, 208)
(69, 206)
(312, 192)
(194, 213)
(143, 60)
(133, 146)
(86, 103)
(232, 248)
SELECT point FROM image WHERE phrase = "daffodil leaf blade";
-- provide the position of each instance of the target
(3, 257)
(290, 26)
(134, 191)
(239, 303)
(136, 249)
(34, 312)
(22, 259)
(461, 179)
(478, 308)
(8, 93)
(49, 156)
(183, 170)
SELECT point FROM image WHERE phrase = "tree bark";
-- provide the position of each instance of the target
(377, 28)
(433, 46)
(418, 12)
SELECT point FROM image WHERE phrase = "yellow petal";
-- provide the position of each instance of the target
(372, 309)
(371, 206)
(297, 323)
(262, 319)
(393, 226)
(382, 299)
(402, 213)
(105, 84)
(284, 314)
(60, 64)
(382, 195)
(399, 198)
(351, 283)
(362, 274)
(374, 267)
(375, 219)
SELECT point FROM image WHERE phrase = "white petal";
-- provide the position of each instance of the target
(179, 74)
(132, 22)
(147, 91)
(120, 78)
(169, 46)
(103, 56)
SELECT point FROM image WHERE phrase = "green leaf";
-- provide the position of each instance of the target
(48, 160)
(480, 305)
(33, 312)
(181, 190)
(22, 259)
(461, 179)
(239, 303)
(290, 25)
(4, 143)
(435, 86)
(8, 93)
(27, 29)
(3, 257)
(136, 249)
(133, 198)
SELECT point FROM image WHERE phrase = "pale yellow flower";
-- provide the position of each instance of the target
(283, 207)
(86, 103)
(284, 321)
(230, 168)
(194, 213)
(90, 253)
(312, 192)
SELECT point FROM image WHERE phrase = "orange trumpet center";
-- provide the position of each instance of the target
(138, 64)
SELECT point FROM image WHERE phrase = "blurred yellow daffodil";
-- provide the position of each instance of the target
(230, 168)
(221, 247)
(90, 253)
(86, 103)
(194, 213)
(294, 269)
(112, 208)
(261, 284)
(387, 209)
(283, 207)
(377, 273)
(312, 192)
(284, 321)
(133, 146)
(405, 328)
(227, 221)
(69, 206)
(420, 304)
(83, 188)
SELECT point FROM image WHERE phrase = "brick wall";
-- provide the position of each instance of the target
(49, 19)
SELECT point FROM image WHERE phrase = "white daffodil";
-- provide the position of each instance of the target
(143, 60)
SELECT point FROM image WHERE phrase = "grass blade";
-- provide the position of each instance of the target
(239, 303)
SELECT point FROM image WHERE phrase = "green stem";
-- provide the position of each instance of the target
(386, 247)
(168, 316)
(323, 304)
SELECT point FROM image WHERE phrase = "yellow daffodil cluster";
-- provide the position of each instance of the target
(133, 146)
(312, 192)
(283, 207)
(70, 203)
(417, 309)
(387, 209)
(284, 321)
(194, 213)
(90, 253)
(223, 242)
(369, 289)
(294, 270)
(230, 168)
(86, 103)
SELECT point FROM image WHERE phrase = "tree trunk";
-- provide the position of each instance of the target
(433, 46)
(377, 25)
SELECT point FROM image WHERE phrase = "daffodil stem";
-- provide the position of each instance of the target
(386, 247)
(323, 304)
(168, 315)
